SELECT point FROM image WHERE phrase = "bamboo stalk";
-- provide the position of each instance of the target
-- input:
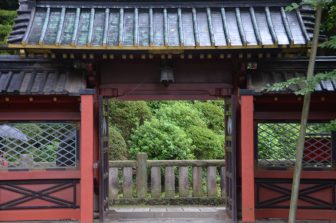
(304, 119)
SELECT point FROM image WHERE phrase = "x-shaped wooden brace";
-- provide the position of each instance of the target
(45, 194)
(304, 195)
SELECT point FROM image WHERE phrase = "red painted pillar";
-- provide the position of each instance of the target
(86, 158)
(247, 159)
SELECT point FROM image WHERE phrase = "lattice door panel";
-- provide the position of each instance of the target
(277, 145)
(230, 157)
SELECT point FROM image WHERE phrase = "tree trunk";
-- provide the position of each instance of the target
(304, 119)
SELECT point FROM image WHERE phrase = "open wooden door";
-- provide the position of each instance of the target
(103, 159)
(230, 157)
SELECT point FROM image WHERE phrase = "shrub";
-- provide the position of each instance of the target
(7, 17)
(117, 144)
(156, 105)
(6, 22)
(207, 144)
(182, 114)
(213, 114)
(128, 115)
(161, 140)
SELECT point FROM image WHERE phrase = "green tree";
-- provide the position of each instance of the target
(182, 114)
(128, 115)
(6, 22)
(207, 144)
(162, 140)
(201, 121)
(118, 148)
(308, 84)
(213, 113)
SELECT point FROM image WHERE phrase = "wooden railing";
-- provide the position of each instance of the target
(196, 181)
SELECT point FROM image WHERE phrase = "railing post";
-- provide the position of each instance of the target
(197, 181)
(222, 181)
(169, 182)
(183, 181)
(141, 177)
(212, 186)
(127, 182)
(113, 182)
(156, 181)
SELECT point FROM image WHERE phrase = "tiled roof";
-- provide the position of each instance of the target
(38, 77)
(160, 25)
(270, 72)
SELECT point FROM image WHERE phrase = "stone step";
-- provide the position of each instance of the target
(168, 213)
(166, 220)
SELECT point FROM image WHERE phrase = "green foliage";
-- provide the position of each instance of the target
(182, 114)
(278, 141)
(305, 85)
(118, 147)
(6, 22)
(329, 44)
(126, 116)
(203, 123)
(47, 153)
(7, 17)
(207, 144)
(156, 105)
(213, 114)
(327, 127)
(161, 140)
(329, 20)
(275, 141)
(177, 130)
(313, 3)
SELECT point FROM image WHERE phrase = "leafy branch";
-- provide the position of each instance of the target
(312, 3)
(303, 85)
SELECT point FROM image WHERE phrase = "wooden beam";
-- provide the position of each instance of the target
(302, 214)
(247, 158)
(292, 116)
(86, 158)
(39, 215)
(35, 116)
(39, 174)
(288, 174)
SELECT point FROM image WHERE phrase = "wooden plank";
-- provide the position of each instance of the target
(183, 181)
(127, 182)
(211, 177)
(156, 182)
(34, 215)
(197, 181)
(113, 183)
(169, 182)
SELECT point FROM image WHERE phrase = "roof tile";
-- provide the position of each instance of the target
(155, 26)
(26, 77)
